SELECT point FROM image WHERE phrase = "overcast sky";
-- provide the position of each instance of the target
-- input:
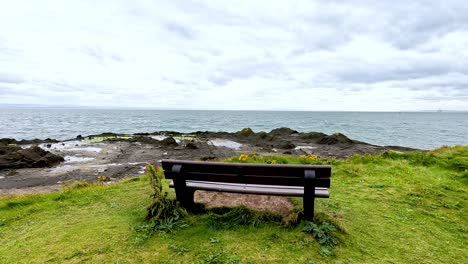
(265, 55)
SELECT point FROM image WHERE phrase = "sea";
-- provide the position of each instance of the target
(423, 130)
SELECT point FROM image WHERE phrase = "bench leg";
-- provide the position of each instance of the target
(185, 197)
(309, 195)
(309, 205)
(188, 199)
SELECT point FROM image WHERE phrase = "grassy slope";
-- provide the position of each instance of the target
(395, 208)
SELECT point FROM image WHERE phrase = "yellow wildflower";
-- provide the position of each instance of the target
(310, 157)
(243, 157)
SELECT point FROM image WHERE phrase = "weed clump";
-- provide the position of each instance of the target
(323, 233)
(163, 212)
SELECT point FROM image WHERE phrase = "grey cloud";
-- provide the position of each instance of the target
(11, 78)
(378, 73)
(409, 25)
(101, 55)
(64, 87)
(405, 25)
(248, 68)
(180, 30)
(441, 97)
(179, 82)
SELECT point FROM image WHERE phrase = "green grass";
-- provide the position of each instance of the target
(393, 208)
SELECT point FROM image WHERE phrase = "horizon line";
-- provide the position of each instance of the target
(76, 107)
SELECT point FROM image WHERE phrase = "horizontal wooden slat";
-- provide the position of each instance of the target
(256, 179)
(253, 189)
(283, 170)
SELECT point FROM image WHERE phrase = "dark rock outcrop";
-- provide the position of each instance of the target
(142, 134)
(8, 141)
(334, 139)
(191, 145)
(169, 141)
(313, 136)
(145, 140)
(282, 132)
(14, 157)
(285, 145)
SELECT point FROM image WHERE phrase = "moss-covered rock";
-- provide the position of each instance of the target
(246, 132)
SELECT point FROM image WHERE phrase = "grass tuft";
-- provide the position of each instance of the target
(229, 218)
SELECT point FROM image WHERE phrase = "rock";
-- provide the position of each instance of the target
(12, 173)
(14, 157)
(246, 132)
(7, 141)
(262, 135)
(191, 145)
(208, 158)
(282, 132)
(145, 140)
(167, 132)
(36, 141)
(334, 139)
(313, 136)
(141, 134)
(258, 139)
(285, 145)
(79, 137)
(49, 145)
(169, 141)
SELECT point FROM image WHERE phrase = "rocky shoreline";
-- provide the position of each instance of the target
(44, 165)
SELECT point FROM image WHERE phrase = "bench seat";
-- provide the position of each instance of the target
(253, 188)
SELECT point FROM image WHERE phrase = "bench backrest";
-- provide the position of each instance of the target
(267, 174)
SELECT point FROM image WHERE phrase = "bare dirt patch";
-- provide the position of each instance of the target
(276, 204)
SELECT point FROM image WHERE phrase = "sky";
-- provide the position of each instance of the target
(236, 55)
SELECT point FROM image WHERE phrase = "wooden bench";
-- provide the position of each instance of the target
(307, 181)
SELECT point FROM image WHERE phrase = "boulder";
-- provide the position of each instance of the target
(285, 145)
(313, 136)
(14, 157)
(145, 140)
(282, 132)
(246, 132)
(191, 145)
(6, 141)
(334, 139)
(169, 141)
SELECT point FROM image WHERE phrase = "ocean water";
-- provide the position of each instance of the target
(424, 130)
